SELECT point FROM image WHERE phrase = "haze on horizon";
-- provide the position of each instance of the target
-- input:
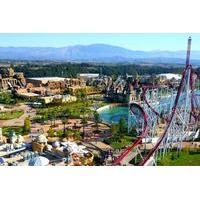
(132, 41)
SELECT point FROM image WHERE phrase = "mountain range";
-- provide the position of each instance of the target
(95, 53)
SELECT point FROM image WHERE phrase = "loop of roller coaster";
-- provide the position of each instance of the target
(169, 121)
(155, 148)
(188, 72)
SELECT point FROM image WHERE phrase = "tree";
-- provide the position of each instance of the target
(114, 130)
(59, 133)
(50, 132)
(53, 116)
(97, 119)
(84, 122)
(71, 69)
(65, 120)
(77, 135)
(81, 95)
(7, 98)
(172, 156)
(84, 119)
(27, 125)
(122, 127)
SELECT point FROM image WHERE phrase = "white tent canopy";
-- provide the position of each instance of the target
(38, 161)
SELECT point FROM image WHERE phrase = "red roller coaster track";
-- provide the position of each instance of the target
(153, 150)
(148, 104)
(187, 73)
(145, 130)
(139, 140)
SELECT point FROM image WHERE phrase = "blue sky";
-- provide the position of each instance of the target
(134, 41)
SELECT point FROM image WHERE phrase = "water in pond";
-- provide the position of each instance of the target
(113, 114)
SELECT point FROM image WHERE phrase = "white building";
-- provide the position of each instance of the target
(169, 76)
(65, 98)
(88, 76)
(61, 98)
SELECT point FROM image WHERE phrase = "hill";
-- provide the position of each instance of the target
(95, 53)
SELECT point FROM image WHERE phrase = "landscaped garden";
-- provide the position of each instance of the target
(120, 137)
(9, 99)
(19, 130)
(72, 110)
(11, 114)
(65, 134)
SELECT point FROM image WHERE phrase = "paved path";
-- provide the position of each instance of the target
(19, 121)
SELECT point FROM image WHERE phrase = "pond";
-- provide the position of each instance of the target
(112, 114)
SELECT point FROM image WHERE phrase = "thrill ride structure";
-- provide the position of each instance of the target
(165, 118)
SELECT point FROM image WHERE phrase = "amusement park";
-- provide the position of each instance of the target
(99, 99)
(99, 119)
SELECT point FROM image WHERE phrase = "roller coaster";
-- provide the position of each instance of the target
(164, 119)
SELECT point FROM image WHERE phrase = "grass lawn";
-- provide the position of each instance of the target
(73, 110)
(190, 158)
(18, 130)
(123, 143)
(11, 114)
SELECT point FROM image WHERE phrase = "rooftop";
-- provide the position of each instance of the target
(170, 76)
(48, 78)
(89, 75)
(29, 94)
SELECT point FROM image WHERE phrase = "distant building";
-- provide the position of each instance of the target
(40, 81)
(75, 82)
(47, 99)
(28, 95)
(10, 79)
(65, 98)
(88, 76)
(58, 98)
(169, 76)
(56, 82)
(5, 65)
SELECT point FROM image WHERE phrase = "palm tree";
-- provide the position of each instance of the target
(65, 120)
(53, 118)
(97, 119)
(84, 117)
(84, 122)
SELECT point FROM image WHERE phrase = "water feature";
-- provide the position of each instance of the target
(112, 114)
